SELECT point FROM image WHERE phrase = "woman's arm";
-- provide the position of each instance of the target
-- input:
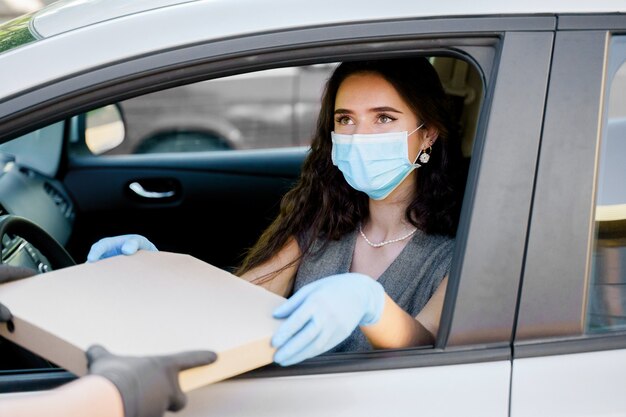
(397, 329)
(278, 273)
(92, 395)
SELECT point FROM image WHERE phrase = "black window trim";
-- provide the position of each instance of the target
(556, 272)
(570, 345)
(426, 356)
(598, 21)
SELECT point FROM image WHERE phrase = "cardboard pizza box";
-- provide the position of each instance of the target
(151, 303)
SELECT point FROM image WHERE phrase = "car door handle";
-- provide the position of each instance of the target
(142, 192)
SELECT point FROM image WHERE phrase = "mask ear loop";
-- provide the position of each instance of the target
(421, 155)
(418, 128)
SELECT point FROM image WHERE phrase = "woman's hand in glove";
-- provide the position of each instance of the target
(324, 313)
(119, 245)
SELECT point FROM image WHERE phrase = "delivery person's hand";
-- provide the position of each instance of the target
(10, 273)
(148, 385)
(5, 314)
(119, 245)
(324, 313)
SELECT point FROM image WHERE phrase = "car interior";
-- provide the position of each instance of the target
(198, 169)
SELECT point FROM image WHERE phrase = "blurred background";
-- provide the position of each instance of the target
(13, 8)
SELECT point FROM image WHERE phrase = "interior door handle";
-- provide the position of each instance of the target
(154, 195)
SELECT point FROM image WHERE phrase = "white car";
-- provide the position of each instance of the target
(534, 321)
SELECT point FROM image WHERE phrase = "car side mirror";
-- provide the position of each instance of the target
(104, 129)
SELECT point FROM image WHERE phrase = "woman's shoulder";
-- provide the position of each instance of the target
(434, 249)
(321, 241)
(444, 242)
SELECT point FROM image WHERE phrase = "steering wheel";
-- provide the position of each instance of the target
(55, 253)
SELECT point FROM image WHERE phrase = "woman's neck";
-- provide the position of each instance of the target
(387, 218)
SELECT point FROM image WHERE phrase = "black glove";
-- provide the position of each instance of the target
(10, 273)
(148, 385)
(5, 314)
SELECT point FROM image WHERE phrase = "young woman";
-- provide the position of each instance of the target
(364, 240)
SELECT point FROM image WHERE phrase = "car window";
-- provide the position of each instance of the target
(274, 108)
(240, 112)
(607, 295)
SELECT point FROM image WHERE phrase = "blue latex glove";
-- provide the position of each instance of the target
(119, 245)
(324, 313)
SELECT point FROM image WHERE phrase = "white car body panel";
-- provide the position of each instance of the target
(66, 15)
(468, 390)
(162, 28)
(576, 385)
(71, 14)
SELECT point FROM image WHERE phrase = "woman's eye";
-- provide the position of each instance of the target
(343, 120)
(383, 118)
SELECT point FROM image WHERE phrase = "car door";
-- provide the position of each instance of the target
(472, 357)
(570, 350)
(471, 361)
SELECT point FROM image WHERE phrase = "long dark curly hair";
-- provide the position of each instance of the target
(322, 204)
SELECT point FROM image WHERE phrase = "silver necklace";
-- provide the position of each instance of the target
(385, 242)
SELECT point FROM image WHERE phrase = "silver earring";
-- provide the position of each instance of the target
(425, 155)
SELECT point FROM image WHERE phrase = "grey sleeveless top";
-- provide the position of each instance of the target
(410, 280)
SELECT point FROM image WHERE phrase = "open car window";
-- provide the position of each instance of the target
(274, 108)
(269, 109)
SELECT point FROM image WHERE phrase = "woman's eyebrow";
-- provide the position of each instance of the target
(373, 110)
(385, 109)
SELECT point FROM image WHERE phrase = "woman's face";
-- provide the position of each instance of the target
(367, 103)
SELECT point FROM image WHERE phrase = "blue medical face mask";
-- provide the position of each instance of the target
(373, 163)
